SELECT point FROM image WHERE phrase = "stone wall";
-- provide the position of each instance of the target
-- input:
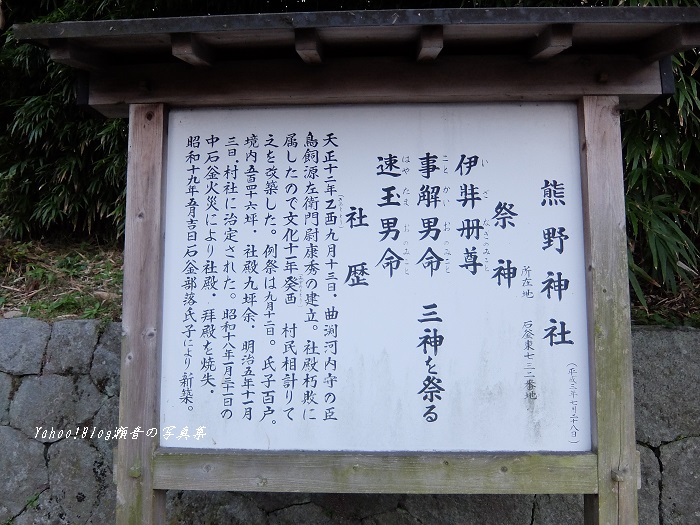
(66, 376)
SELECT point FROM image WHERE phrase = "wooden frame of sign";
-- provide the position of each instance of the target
(600, 83)
(607, 475)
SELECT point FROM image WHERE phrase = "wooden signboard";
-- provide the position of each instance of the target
(355, 272)
(528, 450)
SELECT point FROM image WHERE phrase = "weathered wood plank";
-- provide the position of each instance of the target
(430, 43)
(609, 317)
(451, 79)
(383, 19)
(552, 41)
(347, 472)
(137, 501)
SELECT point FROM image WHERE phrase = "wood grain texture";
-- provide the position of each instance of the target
(380, 473)
(609, 316)
(137, 501)
(380, 80)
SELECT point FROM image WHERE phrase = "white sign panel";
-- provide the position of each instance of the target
(375, 278)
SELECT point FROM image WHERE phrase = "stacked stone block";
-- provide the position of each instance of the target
(65, 377)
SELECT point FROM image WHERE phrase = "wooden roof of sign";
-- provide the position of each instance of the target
(595, 56)
(437, 55)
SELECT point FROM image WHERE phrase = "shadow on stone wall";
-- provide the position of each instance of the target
(65, 376)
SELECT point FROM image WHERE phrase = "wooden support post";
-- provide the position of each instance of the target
(609, 317)
(552, 41)
(308, 46)
(137, 501)
(430, 43)
(670, 41)
(189, 48)
(69, 54)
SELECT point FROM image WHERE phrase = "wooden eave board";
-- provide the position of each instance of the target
(354, 19)
(483, 31)
(115, 45)
(373, 80)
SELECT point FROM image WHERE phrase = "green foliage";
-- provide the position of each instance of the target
(662, 167)
(63, 169)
